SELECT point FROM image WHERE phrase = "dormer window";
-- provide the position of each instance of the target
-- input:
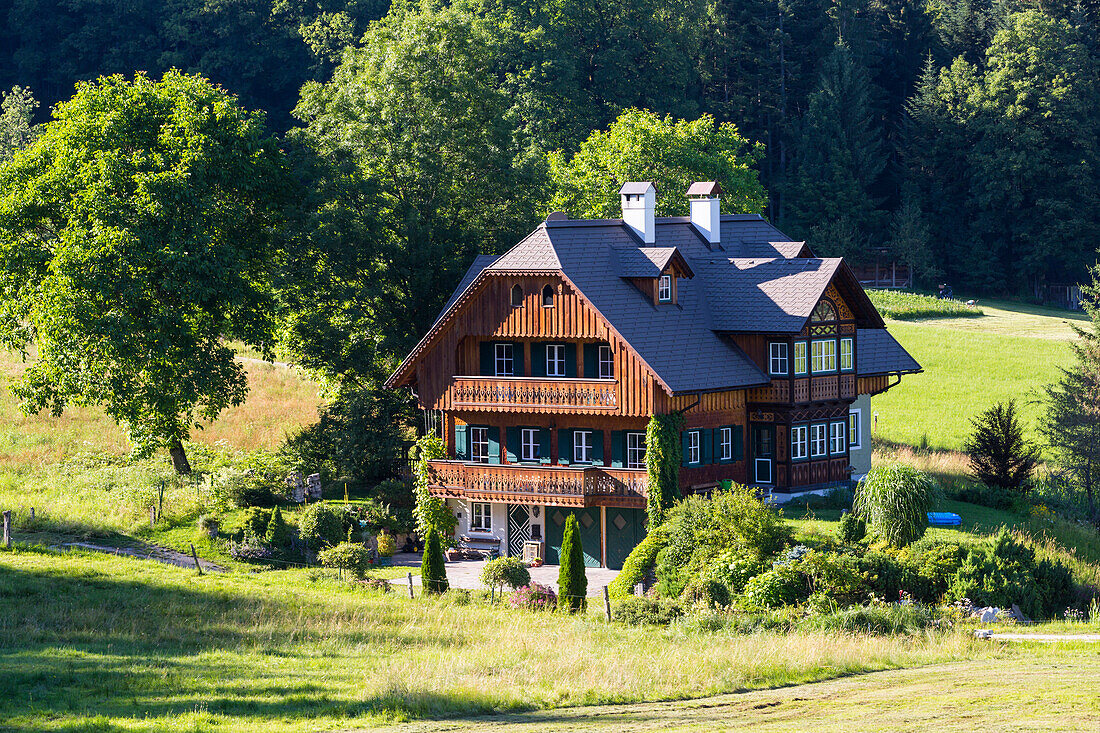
(548, 297)
(664, 289)
(517, 296)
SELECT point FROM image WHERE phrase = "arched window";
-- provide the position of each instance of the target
(824, 312)
(548, 297)
(517, 295)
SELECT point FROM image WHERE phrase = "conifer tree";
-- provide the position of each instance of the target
(1000, 457)
(572, 582)
(433, 570)
(278, 533)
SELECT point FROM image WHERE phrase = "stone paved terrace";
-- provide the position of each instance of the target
(467, 574)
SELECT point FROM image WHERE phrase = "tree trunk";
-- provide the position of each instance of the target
(179, 457)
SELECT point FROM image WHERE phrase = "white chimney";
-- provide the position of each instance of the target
(639, 202)
(706, 211)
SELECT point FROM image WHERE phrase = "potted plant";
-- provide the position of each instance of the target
(386, 548)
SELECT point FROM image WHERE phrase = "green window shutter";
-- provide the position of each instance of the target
(494, 444)
(716, 445)
(517, 359)
(544, 445)
(571, 360)
(618, 448)
(565, 446)
(597, 447)
(512, 444)
(538, 359)
(706, 443)
(462, 443)
(738, 443)
(488, 367)
(685, 447)
(591, 361)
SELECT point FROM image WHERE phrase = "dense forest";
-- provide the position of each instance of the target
(961, 137)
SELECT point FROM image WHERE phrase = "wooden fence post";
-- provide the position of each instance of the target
(7, 529)
(32, 513)
(152, 517)
(410, 585)
(196, 556)
(607, 603)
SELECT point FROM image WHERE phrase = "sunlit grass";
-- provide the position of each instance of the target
(902, 305)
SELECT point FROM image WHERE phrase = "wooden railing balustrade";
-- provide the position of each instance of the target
(806, 389)
(568, 484)
(535, 394)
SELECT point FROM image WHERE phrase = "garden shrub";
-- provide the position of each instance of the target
(882, 620)
(378, 584)
(639, 610)
(250, 549)
(535, 597)
(894, 501)
(253, 523)
(883, 574)
(433, 568)
(278, 534)
(572, 582)
(780, 586)
(319, 526)
(505, 571)
(832, 575)
(208, 526)
(707, 592)
(386, 544)
(734, 568)
(929, 567)
(350, 556)
(980, 495)
(637, 564)
(851, 529)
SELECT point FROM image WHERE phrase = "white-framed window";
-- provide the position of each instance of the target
(582, 446)
(847, 355)
(479, 444)
(529, 444)
(635, 450)
(607, 366)
(481, 516)
(838, 437)
(800, 362)
(777, 358)
(505, 366)
(664, 288)
(819, 443)
(693, 447)
(855, 434)
(725, 444)
(823, 356)
(555, 360)
(800, 442)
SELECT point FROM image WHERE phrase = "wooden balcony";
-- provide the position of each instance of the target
(526, 394)
(806, 389)
(549, 485)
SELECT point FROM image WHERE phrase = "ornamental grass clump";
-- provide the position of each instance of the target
(894, 501)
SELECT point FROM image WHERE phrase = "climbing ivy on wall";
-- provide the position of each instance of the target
(431, 511)
(662, 460)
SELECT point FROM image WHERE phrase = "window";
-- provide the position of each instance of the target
(481, 517)
(777, 358)
(664, 289)
(823, 356)
(517, 296)
(582, 446)
(504, 364)
(824, 312)
(847, 358)
(479, 445)
(529, 444)
(548, 297)
(800, 358)
(819, 445)
(635, 450)
(799, 442)
(555, 360)
(854, 433)
(693, 447)
(607, 367)
(838, 440)
(725, 444)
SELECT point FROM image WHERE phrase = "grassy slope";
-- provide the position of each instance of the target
(98, 640)
(970, 363)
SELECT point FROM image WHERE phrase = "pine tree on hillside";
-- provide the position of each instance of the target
(433, 569)
(572, 582)
(278, 533)
(1000, 457)
(839, 158)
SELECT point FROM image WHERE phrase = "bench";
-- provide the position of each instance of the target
(487, 547)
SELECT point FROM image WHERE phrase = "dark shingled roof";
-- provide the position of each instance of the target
(755, 280)
(877, 352)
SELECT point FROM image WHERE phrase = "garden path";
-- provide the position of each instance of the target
(467, 573)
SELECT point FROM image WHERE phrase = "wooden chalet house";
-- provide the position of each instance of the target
(549, 360)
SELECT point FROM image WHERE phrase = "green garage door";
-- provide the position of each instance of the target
(589, 522)
(625, 529)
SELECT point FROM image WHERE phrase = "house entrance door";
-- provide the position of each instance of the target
(519, 528)
(763, 454)
(588, 522)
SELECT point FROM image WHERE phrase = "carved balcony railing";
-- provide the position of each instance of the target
(552, 485)
(535, 395)
(806, 389)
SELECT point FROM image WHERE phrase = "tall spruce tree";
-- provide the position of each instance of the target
(840, 158)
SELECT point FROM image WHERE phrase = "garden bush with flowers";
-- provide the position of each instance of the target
(535, 597)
